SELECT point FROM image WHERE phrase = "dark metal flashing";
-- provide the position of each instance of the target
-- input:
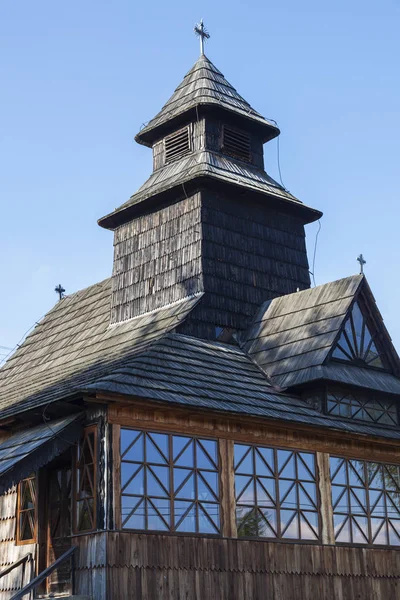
(26, 451)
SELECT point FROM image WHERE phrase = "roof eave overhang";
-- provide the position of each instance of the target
(150, 134)
(122, 215)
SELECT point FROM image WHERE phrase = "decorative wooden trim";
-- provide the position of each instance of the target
(116, 474)
(75, 495)
(136, 414)
(18, 539)
(227, 491)
(326, 510)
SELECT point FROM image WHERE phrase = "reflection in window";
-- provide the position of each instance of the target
(169, 482)
(26, 518)
(366, 502)
(360, 407)
(276, 493)
(85, 482)
(356, 344)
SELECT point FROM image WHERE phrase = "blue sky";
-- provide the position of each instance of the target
(79, 78)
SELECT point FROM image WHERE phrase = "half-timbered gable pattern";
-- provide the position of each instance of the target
(203, 424)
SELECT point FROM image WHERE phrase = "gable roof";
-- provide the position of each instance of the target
(292, 337)
(74, 351)
(204, 84)
(75, 343)
(206, 164)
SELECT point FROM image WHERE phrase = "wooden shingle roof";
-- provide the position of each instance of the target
(203, 85)
(74, 351)
(212, 165)
(292, 337)
(75, 343)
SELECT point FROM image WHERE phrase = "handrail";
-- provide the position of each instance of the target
(18, 562)
(43, 575)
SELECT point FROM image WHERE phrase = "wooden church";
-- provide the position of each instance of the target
(203, 424)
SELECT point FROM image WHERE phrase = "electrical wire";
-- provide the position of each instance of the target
(315, 252)
(279, 161)
(12, 350)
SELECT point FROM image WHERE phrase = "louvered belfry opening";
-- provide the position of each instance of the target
(236, 143)
(177, 144)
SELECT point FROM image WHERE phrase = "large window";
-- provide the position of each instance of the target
(26, 510)
(169, 482)
(357, 344)
(365, 408)
(85, 482)
(366, 502)
(276, 493)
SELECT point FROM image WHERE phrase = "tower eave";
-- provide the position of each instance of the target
(140, 203)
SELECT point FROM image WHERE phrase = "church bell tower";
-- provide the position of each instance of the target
(209, 220)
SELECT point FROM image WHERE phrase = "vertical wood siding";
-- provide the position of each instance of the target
(157, 259)
(9, 552)
(156, 566)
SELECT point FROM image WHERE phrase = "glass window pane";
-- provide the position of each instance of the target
(156, 481)
(276, 479)
(366, 502)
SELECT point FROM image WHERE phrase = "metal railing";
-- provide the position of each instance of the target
(44, 574)
(20, 561)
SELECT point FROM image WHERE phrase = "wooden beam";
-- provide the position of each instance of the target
(325, 493)
(227, 491)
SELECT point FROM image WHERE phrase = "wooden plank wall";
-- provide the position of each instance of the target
(90, 565)
(151, 566)
(9, 551)
(157, 259)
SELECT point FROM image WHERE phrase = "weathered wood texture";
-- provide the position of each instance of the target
(9, 551)
(239, 253)
(90, 565)
(156, 566)
(157, 259)
(249, 430)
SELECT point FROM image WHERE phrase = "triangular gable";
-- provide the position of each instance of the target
(363, 339)
(294, 338)
(357, 342)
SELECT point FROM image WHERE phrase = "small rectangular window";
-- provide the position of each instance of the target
(276, 493)
(236, 143)
(366, 502)
(85, 484)
(360, 407)
(177, 144)
(169, 482)
(26, 510)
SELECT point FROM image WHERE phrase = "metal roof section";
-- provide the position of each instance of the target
(26, 451)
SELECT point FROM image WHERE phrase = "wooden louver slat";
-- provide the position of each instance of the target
(177, 144)
(236, 143)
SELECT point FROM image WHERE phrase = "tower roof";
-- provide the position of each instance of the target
(204, 85)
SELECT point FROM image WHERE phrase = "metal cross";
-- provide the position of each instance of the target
(60, 291)
(362, 262)
(203, 34)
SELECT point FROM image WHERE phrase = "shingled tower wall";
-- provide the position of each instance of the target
(209, 219)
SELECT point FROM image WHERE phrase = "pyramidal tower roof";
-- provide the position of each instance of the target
(204, 85)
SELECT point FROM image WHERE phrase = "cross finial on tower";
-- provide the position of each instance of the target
(362, 262)
(203, 34)
(60, 291)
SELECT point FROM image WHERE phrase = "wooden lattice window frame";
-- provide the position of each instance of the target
(85, 499)
(270, 477)
(191, 471)
(26, 513)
